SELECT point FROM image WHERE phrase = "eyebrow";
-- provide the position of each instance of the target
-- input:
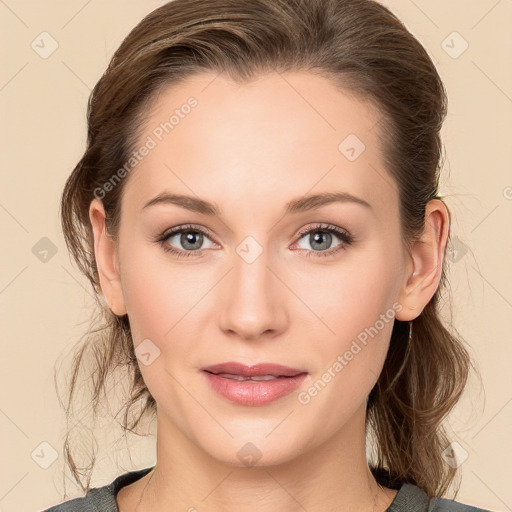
(300, 204)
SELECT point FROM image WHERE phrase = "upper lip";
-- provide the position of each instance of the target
(235, 368)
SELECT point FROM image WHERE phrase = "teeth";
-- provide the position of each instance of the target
(240, 377)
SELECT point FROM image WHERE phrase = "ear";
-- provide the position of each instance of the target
(424, 270)
(106, 259)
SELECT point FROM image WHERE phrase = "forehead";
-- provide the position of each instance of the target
(274, 138)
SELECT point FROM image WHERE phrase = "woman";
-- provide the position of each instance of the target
(258, 213)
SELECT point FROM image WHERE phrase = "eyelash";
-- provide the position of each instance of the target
(344, 236)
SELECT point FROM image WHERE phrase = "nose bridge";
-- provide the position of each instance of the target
(253, 302)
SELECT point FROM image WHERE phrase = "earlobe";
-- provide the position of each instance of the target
(425, 269)
(105, 255)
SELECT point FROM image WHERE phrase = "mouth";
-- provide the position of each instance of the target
(252, 377)
(234, 369)
(254, 385)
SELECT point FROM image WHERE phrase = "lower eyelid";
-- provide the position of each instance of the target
(327, 252)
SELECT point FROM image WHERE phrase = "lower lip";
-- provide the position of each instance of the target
(251, 392)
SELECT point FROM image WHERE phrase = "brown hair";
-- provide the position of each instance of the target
(361, 46)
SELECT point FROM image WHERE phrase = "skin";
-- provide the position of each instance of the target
(250, 149)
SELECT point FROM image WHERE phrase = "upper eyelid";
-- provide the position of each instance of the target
(178, 229)
(324, 227)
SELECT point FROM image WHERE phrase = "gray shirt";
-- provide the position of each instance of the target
(409, 498)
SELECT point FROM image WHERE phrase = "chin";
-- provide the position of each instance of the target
(261, 450)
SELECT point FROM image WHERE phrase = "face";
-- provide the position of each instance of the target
(270, 276)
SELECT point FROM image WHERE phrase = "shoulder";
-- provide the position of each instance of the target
(95, 500)
(446, 505)
(100, 499)
(410, 498)
(74, 505)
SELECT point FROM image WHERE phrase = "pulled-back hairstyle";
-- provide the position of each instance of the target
(365, 50)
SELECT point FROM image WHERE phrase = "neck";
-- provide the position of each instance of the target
(331, 477)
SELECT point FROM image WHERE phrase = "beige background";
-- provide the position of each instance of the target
(45, 305)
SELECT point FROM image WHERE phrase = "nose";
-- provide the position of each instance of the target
(253, 301)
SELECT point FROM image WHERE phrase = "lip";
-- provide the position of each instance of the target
(259, 369)
(250, 392)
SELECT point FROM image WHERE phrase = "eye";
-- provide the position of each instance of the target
(321, 238)
(190, 238)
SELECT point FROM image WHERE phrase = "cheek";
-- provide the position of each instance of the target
(352, 297)
(154, 296)
(160, 300)
(164, 299)
(356, 308)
